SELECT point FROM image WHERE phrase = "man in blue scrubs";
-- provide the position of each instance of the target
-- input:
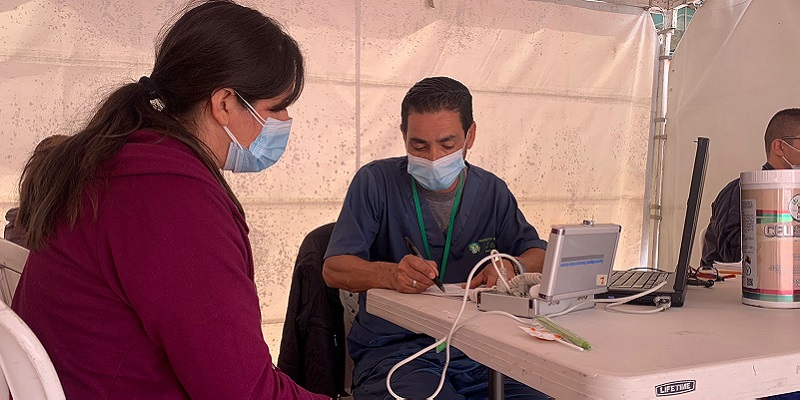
(455, 214)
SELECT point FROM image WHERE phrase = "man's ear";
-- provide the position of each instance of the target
(405, 137)
(471, 135)
(776, 147)
(222, 102)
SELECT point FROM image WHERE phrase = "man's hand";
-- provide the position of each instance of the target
(488, 275)
(414, 275)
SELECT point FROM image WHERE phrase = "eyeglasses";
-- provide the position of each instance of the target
(706, 276)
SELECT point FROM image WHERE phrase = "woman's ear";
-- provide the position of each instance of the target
(222, 102)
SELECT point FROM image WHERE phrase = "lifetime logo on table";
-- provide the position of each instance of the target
(673, 388)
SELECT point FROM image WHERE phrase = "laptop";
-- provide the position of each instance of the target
(630, 282)
(578, 260)
(576, 266)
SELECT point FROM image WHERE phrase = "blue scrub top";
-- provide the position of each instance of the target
(378, 213)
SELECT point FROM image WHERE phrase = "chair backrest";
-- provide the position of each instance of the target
(27, 369)
(305, 320)
(350, 304)
(12, 261)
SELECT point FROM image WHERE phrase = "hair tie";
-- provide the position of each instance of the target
(154, 95)
(151, 86)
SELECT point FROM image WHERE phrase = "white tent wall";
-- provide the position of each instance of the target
(735, 67)
(562, 98)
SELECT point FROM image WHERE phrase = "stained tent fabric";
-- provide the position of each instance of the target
(562, 98)
(735, 67)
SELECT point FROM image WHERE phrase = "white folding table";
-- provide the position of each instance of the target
(714, 345)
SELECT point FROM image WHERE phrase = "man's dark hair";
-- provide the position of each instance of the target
(435, 94)
(784, 124)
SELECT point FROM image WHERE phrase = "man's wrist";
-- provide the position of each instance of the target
(522, 266)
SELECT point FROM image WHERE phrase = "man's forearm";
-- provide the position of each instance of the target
(354, 274)
(533, 259)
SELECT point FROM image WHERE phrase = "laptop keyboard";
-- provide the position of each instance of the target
(637, 279)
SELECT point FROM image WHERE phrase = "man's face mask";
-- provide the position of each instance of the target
(438, 174)
(793, 166)
(265, 150)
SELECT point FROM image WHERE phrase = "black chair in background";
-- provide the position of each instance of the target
(313, 350)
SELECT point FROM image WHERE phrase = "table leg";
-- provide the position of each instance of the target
(496, 385)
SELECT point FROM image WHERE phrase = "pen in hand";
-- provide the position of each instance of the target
(413, 249)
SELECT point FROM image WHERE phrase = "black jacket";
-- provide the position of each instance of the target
(312, 348)
(12, 233)
(723, 239)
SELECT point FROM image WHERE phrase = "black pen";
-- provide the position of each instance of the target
(416, 252)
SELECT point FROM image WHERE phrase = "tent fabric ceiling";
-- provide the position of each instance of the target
(733, 70)
(647, 4)
(562, 99)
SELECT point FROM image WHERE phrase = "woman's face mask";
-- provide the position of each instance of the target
(266, 149)
(438, 174)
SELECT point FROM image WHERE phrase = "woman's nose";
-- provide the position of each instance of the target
(282, 115)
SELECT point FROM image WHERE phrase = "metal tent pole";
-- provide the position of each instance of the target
(659, 136)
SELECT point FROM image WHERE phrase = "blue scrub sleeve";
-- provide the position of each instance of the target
(359, 219)
(516, 235)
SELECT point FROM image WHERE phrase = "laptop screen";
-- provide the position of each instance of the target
(692, 211)
(578, 260)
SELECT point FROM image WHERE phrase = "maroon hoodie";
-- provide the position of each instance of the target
(154, 297)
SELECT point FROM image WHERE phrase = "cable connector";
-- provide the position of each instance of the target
(662, 302)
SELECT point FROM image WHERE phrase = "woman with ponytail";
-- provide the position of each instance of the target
(139, 283)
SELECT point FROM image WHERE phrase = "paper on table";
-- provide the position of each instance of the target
(452, 289)
(546, 335)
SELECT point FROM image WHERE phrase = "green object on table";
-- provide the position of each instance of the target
(441, 347)
(563, 332)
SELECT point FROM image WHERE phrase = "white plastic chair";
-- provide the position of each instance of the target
(27, 371)
(12, 261)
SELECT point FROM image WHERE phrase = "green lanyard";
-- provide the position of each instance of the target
(449, 227)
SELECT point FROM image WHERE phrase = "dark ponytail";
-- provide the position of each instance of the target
(215, 45)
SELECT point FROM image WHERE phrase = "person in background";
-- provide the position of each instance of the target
(12, 232)
(723, 238)
(455, 212)
(139, 282)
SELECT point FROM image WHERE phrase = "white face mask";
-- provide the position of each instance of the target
(793, 166)
(266, 149)
(440, 173)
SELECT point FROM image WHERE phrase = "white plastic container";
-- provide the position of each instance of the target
(770, 210)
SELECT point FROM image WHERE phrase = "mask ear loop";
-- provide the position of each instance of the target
(784, 157)
(230, 134)
(464, 149)
(228, 131)
(252, 110)
(787, 143)
(233, 138)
